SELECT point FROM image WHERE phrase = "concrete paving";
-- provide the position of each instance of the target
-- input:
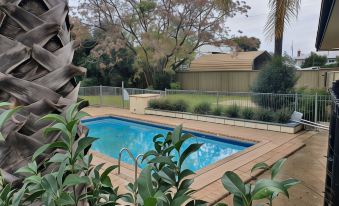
(309, 166)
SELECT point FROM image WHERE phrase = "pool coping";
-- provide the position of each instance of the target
(207, 180)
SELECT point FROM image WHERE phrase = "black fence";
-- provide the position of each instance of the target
(332, 173)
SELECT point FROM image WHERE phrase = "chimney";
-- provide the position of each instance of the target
(299, 53)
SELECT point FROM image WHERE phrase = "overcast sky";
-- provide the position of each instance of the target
(302, 32)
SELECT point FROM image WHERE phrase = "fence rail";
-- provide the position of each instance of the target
(315, 108)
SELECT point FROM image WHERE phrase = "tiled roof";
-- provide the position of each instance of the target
(232, 61)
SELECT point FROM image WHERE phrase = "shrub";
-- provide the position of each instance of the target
(217, 111)
(276, 77)
(264, 115)
(247, 113)
(180, 105)
(233, 111)
(154, 104)
(282, 116)
(175, 85)
(202, 108)
(162, 80)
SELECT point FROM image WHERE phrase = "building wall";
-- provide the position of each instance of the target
(241, 81)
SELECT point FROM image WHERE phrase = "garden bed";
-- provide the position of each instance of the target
(290, 127)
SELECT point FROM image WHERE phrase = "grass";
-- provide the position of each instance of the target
(110, 100)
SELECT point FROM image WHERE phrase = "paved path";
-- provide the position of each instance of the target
(270, 147)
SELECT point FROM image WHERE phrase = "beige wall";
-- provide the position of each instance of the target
(241, 81)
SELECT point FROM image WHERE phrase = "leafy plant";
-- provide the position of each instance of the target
(72, 179)
(233, 111)
(175, 85)
(247, 113)
(164, 181)
(282, 116)
(180, 105)
(263, 189)
(264, 115)
(202, 108)
(217, 111)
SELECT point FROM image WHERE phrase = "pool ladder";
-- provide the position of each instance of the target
(134, 159)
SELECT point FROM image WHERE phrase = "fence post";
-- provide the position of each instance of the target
(101, 100)
(122, 94)
(316, 108)
(165, 92)
(296, 102)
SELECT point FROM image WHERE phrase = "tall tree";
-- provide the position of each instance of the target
(281, 13)
(36, 73)
(247, 43)
(163, 34)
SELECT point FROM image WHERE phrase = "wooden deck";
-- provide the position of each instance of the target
(270, 147)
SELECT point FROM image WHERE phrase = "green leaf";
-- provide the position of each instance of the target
(108, 170)
(191, 149)
(81, 115)
(54, 117)
(186, 184)
(83, 143)
(58, 128)
(234, 184)
(39, 151)
(183, 138)
(151, 201)
(163, 160)
(277, 167)
(290, 183)
(176, 134)
(17, 197)
(33, 179)
(261, 166)
(4, 117)
(73, 179)
(265, 188)
(179, 200)
(144, 182)
(167, 176)
(221, 204)
(65, 199)
(72, 111)
(185, 173)
(5, 104)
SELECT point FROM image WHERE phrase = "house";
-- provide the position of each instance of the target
(212, 49)
(331, 57)
(237, 61)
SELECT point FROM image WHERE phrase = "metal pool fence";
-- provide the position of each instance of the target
(315, 108)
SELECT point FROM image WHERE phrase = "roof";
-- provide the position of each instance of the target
(220, 62)
(328, 31)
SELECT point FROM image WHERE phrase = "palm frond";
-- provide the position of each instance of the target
(282, 12)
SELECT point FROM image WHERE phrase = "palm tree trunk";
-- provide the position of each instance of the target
(278, 46)
(36, 72)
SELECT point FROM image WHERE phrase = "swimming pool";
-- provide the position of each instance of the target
(116, 133)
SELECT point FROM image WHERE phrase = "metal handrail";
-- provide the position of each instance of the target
(134, 159)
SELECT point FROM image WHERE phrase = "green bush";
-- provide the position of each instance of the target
(217, 111)
(170, 105)
(247, 113)
(175, 85)
(180, 105)
(282, 116)
(162, 81)
(233, 111)
(264, 115)
(202, 108)
(277, 77)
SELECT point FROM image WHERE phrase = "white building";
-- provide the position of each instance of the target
(331, 57)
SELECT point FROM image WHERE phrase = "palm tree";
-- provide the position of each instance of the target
(281, 12)
(36, 72)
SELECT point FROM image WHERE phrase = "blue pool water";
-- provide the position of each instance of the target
(117, 133)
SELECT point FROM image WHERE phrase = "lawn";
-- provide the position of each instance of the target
(109, 100)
